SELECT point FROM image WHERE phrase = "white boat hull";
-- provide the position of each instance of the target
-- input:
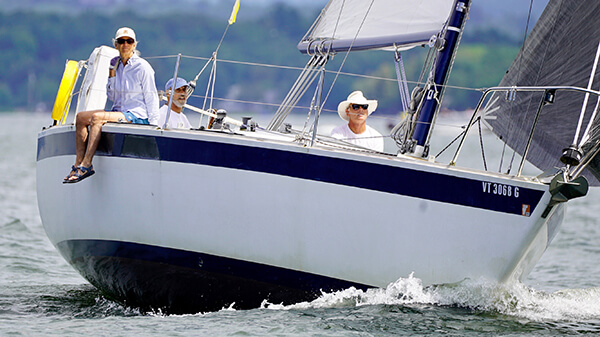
(189, 221)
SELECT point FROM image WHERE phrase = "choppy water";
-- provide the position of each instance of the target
(40, 294)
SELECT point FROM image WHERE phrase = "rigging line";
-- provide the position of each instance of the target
(327, 71)
(458, 137)
(212, 84)
(299, 91)
(585, 100)
(524, 38)
(314, 24)
(425, 66)
(206, 94)
(338, 21)
(303, 81)
(586, 161)
(300, 82)
(223, 37)
(511, 130)
(348, 51)
(314, 102)
(260, 103)
(512, 159)
(244, 62)
(502, 157)
(212, 58)
(202, 70)
(586, 135)
(481, 144)
(160, 57)
(402, 83)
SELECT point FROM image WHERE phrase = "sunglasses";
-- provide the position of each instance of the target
(122, 41)
(358, 106)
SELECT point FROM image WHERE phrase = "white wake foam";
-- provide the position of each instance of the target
(514, 299)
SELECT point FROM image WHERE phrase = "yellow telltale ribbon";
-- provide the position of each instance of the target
(236, 8)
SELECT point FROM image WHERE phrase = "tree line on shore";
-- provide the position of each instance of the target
(36, 45)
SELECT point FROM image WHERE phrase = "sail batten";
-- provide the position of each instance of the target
(376, 24)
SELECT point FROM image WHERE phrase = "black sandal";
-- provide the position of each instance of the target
(72, 173)
(87, 171)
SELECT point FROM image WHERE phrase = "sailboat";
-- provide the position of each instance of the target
(279, 220)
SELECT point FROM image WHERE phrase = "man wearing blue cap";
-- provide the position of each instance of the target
(177, 120)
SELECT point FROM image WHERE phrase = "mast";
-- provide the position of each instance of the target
(438, 77)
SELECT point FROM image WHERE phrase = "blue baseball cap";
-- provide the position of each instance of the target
(180, 83)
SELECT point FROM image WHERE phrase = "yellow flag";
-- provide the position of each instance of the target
(236, 8)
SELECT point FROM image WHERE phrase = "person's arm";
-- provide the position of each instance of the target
(112, 69)
(150, 96)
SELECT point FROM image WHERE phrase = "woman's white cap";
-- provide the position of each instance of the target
(125, 31)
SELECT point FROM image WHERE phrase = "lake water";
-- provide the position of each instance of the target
(41, 295)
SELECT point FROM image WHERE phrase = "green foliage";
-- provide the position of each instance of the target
(477, 66)
(35, 47)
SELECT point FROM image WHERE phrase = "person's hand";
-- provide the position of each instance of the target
(114, 63)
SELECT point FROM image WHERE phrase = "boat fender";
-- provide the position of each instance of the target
(63, 97)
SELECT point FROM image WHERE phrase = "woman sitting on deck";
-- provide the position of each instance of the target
(132, 89)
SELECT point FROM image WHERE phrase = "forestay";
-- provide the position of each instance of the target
(343, 24)
(560, 50)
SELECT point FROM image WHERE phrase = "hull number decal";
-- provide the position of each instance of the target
(500, 189)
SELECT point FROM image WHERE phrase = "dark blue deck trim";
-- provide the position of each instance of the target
(179, 281)
(372, 176)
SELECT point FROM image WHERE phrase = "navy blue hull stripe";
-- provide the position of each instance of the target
(372, 176)
(179, 281)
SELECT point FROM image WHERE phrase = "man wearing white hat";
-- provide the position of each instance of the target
(355, 110)
(177, 120)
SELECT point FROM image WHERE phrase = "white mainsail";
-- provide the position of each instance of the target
(360, 24)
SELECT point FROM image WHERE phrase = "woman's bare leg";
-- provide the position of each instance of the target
(98, 119)
(86, 141)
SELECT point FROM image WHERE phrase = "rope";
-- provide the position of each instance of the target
(314, 105)
(348, 51)
(298, 89)
(402, 83)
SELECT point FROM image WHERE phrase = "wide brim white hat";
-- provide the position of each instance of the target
(356, 97)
